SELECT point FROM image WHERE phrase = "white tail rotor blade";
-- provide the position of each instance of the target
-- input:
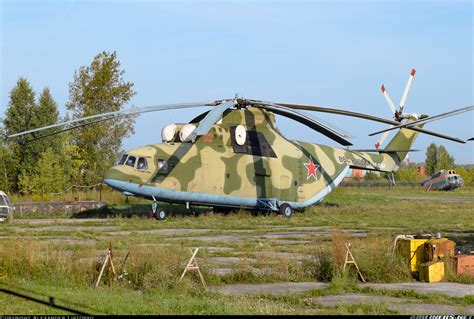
(382, 138)
(407, 89)
(389, 100)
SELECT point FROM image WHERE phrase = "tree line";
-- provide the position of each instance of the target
(80, 156)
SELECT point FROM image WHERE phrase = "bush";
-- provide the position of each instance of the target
(147, 267)
(374, 257)
(152, 266)
(325, 267)
(378, 263)
(30, 259)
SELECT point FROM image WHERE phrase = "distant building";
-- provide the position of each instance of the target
(354, 173)
(421, 169)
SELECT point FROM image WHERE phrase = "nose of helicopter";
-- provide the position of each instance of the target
(112, 175)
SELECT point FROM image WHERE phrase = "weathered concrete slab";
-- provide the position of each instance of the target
(318, 228)
(231, 260)
(276, 289)
(70, 228)
(438, 199)
(402, 305)
(292, 242)
(277, 254)
(213, 249)
(220, 238)
(430, 309)
(164, 232)
(71, 241)
(291, 234)
(229, 271)
(49, 207)
(447, 288)
(335, 300)
(35, 221)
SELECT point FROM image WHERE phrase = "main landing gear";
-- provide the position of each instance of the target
(285, 210)
(160, 213)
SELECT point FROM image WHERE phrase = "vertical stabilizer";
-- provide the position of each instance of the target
(403, 140)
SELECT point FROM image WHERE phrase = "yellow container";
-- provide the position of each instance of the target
(413, 251)
(432, 271)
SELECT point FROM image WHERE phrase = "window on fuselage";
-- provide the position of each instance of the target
(142, 164)
(122, 159)
(255, 144)
(131, 161)
(162, 166)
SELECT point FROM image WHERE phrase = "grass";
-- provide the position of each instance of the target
(30, 260)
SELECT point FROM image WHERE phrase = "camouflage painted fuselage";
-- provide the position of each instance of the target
(262, 174)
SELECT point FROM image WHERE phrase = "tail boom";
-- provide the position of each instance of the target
(387, 160)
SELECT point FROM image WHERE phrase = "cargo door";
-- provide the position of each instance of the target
(262, 178)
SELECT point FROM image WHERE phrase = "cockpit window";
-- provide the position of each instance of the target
(131, 161)
(122, 159)
(142, 164)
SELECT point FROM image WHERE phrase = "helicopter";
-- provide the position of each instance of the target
(234, 156)
(446, 180)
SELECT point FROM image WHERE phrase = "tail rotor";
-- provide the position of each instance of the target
(398, 114)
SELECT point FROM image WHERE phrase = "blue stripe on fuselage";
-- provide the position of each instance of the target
(168, 195)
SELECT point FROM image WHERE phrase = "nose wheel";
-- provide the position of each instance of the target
(159, 213)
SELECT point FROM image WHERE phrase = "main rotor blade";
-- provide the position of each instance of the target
(210, 119)
(324, 109)
(407, 89)
(70, 128)
(427, 119)
(306, 120)
(389, 100)
(118, 114)
(366, 117)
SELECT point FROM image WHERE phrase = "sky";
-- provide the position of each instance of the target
(326, 53)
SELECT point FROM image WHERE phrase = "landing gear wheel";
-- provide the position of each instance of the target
(161, 214)
(285, 210)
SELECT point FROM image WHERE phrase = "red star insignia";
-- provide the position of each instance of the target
(311, 167)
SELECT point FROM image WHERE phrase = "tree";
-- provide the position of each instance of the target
(437, 157)
(410, 174)
(48, 177)
(72, 162)
(47, 113)
(445, 161)
(100, 88)
(24, 113)
(18, 117)
(431, 159)
(467, 174)
(7, 165)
